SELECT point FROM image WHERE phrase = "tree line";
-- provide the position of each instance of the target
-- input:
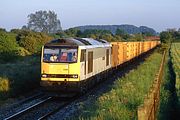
(170, 36)
(44, 26)
(19, 42)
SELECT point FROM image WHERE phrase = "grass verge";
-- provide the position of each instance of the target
(169, 105)
(126, 95)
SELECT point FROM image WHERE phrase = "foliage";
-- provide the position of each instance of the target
(169, 105)
(136, 37)
(100, 34)
(19, 77)
(60, 34)
(16, 31)
(175, 52)
(127, 93)
(8, 46)
(2, 30)
(170, 36)
(165, 37)
(129, 29)
(7, 42)
(122, 33)
(32, 41)
(147, 34)
(22, 52)
(4, 87)
(175, 34)
(43, 21)
(95, 32)
(73, 32)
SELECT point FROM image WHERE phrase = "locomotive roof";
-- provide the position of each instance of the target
(77, 42)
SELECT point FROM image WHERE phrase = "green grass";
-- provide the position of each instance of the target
(165, 93)
(170, 91)
(175, 52)
(19, 77)
(169, 105)
(127, 93)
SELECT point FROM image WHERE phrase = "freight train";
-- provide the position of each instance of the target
(77, 64)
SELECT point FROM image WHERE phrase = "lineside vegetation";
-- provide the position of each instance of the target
(170, 91)
(19, 77)
(126, 95)
(175, 51)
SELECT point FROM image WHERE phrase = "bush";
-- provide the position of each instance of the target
(7, 42)
(20, 77)
(4, 87)
(8, 46)
(32, 41)
(22, 52)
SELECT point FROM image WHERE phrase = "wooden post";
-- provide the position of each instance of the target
(141, 113)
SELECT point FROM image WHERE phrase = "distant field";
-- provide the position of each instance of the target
(175, 51)
(19, 77)
(126, 95)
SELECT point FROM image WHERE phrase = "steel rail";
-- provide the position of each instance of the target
(27, 109)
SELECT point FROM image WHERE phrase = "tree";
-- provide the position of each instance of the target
(147, 34)
(107, 37)
(165, 37)
(8, 46)
(138, 37)
(73, 32)
(2, 29)
(32, 41)
(122, 34)
(43, 21)
(95, 33)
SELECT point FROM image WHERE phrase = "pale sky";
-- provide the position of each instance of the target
(157, 14)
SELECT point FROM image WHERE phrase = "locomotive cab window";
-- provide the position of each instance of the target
(60, 55)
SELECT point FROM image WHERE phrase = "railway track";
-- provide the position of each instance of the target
(65, 103)
(15, 108)
(41, 109)
(16, 115)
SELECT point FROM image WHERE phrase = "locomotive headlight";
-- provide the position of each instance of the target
(44, 75)
(75, 76)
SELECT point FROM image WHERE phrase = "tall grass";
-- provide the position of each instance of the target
(126, 94)
(4, 87)
(20, 77)
(169, 108)
(175, 52)
(170, 90)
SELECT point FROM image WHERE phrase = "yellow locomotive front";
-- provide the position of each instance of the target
(60, 67)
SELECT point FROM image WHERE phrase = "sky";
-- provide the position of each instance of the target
(157, 14)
